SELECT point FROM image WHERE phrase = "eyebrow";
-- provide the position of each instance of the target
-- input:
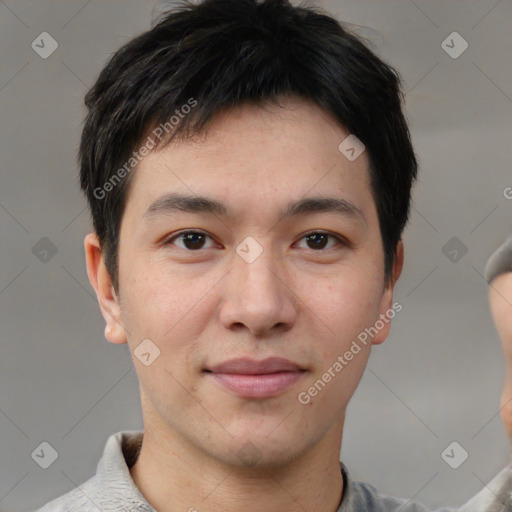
(173, 202)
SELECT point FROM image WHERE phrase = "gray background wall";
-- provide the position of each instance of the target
(437, 379)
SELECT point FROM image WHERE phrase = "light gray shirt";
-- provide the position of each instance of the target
(112, 489)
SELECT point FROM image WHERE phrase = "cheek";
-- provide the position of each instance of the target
(172, 312)
(341, 312)
(344, 307)
(167, 306)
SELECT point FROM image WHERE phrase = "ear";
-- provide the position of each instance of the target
(387, 311)
(102, 283)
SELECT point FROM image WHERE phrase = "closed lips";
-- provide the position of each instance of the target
(247, 366)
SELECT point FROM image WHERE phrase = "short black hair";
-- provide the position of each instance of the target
(218, 54)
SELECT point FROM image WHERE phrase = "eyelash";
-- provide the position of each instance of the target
(340, 240)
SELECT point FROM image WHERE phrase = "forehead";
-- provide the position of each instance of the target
(251, 153)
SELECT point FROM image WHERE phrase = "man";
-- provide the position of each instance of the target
(248, 168)
(498, 273)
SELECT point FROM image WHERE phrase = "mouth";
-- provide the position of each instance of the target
(249, 378)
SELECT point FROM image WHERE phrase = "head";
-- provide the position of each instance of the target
(240, 107)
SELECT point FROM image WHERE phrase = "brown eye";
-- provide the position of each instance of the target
(190, 240)
(318, 240)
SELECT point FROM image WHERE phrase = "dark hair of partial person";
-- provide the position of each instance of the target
(224, 53)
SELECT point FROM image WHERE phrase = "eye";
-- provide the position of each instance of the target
(317, 240)
(192, 240)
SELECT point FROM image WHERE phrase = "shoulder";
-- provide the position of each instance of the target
(361, 497)
(78, 499)
(368, 497)
(496, 496)
(111, 488)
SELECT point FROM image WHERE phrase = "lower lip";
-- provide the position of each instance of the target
(257, 386)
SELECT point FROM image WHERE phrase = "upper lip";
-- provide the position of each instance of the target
(248, 366)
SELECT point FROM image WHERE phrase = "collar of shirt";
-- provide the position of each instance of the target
(113, 476)
(112, 489)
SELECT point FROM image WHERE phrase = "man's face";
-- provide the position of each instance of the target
(251, 283)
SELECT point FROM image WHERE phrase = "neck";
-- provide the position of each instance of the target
(174, 476)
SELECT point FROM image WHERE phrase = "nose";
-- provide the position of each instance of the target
(258, 297)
